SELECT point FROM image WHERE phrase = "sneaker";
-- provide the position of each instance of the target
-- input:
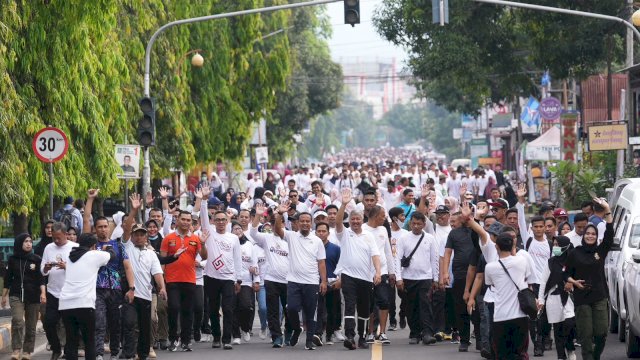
(370, 339)
(403, 322)
(439, 336)
(571, 355)
(384, 339)
(216, 344)
(174, 346)
(447, 336)
(152, 354)
(393, 327)
(350, 344)
(98, 357)
(538, 351)
(413, 341)
(263, 334)
(277, 342)
(287, 337)
(548, 344)
(309, 344)
(362, 343)
(80, 353)
(486, 354)
(235, 341)
(576, 343)
(164, 344)
(186, 347)
(227, 347)
(428, 339)
(464, 347)
(338, 335)
(455, 338)
(329, 340)
(317, 341)
(113, 357)
(295, 337)
(246, 336)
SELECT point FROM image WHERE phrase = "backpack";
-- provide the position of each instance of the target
(530, 239)
(67, 218)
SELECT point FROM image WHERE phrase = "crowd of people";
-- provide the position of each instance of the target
(344, 252)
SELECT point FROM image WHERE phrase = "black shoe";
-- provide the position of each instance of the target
(295, 337)
(174, 346)
(350, 343)
(464, 347)
(317, 341)
(197, 336)
(164, 344)
(216, 344)
(228, 347)
(538, 351)
(56, 355)
(186, 347)
(486, 354)
(403, 322)
(309, 344)
(362, 343)
(428, 340)
(548, 344)
(156, 345)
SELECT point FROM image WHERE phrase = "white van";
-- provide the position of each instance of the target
(626, 220)
(458, 162)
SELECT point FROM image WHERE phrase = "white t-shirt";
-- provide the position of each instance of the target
(305, 251)
(248, 261)
(54, 253)
(505, 292)
(453, 187)
(276, 252)
(356, 252)
(424, 263)
(261, 257)
(576, 239)
(540, 253)
(441, 235)
(224, 261)
(145, 264)
(387, 263)
(395, 235)
(79, 290)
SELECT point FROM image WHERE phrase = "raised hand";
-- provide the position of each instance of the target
(206, 191)
(205, 235)
(198, 194)
(136, 203)
(465, 210)
(93, 193)
(284, 207)
(424, 190)
(346, 196)
(522, 190)
(463, 188)
(260, 209)
(164, 192)
(149, 198)
(602, 202)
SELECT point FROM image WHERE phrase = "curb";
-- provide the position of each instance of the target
(5, 336)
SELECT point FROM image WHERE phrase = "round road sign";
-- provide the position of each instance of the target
(50, 144)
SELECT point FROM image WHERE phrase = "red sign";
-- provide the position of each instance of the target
(50, 144)
(569, 121)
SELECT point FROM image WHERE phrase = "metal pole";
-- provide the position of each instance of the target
(564, 11)
(126, 196)
(50, 189)
(628, 99)
(146, 169)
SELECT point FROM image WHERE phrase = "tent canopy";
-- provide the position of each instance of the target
(546, 147)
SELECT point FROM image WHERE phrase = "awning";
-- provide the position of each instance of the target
(546, 147)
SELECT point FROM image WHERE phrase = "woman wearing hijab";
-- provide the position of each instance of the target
(564, 228)
(558, 303)
(117, 231)
(25, 290)
(46, 237)
(584, 271)
(270, 183)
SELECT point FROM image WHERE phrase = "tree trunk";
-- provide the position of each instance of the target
(20, 224)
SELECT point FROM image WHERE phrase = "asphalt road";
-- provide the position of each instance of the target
(399, 349)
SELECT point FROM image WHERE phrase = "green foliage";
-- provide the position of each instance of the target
(576, 180)
(78, 65)
(493, 52)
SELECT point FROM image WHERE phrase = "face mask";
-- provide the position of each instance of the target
(153, 237)
(399, 223)
(557, 251)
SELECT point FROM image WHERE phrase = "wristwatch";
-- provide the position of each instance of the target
(133, 288)
(239, 282)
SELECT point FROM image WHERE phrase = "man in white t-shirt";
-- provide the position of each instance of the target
(359, 255)
(510, 325)
(438, 297)
(146, 267)
(306, 270)
(580, 222)
(396, 215)
(78, 295)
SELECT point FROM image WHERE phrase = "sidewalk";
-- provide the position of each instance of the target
(5, 331)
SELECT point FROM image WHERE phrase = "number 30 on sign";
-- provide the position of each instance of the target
(50, 144)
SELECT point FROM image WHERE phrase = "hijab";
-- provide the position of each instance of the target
(17, 246)
(589, 249)
(556, 267)
(118, 230)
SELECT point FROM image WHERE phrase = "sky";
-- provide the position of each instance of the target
(362, 42)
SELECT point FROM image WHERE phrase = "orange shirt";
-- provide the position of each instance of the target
(183, 269)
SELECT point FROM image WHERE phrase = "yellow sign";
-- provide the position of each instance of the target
(608, 137)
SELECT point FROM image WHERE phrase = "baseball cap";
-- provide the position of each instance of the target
(442, 209)
(560, 212)
(320, 213)
(495, 228)
(500, 203)
(138, 227)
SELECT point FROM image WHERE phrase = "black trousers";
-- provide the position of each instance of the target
(357, 295)
(510, 339)
(221, 292)
(302, 297)
(198, 308)
(77, 323)
(245, 308)
(463, 320)
(419, 313)
(50, 324)
(539, 329)
(328, 317)
(180, 301)
(565, 333)
(438, 298)
(136, 314)
(450, 311)
(276, 297)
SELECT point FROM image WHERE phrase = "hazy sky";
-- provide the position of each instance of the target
(361, 42)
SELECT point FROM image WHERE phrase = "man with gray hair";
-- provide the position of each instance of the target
(358, 252)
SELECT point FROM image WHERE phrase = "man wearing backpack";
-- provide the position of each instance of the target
(69, 216)
(540, 250)
(111, 287)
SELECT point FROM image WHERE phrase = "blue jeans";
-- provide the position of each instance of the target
(485, 322)
(261, 296)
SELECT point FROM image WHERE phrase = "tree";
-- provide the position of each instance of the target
(492, 53)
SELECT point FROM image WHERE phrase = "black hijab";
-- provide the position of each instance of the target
(556, 267)
(17, 246)
(590, 249)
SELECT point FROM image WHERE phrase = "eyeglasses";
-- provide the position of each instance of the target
(220, 219)
(292, 196)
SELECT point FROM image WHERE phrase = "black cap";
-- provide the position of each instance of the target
(442, 209)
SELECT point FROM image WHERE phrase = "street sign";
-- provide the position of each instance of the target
(608, 137)
(262, 154)
(50, 144)
(128, 157)
(550, 108)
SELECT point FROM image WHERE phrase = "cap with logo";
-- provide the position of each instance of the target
(500, 203)
(442, 209)
(138, 227)
(560, 212)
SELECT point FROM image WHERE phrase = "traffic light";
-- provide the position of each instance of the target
(440, 10)
(147, 124)
(352, 12)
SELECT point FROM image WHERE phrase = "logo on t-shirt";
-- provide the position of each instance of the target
(193, 243)
(218, 263)
(172, 243)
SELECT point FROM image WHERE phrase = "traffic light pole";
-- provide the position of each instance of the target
(146, 169)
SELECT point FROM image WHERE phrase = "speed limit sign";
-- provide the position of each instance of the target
(50, 144)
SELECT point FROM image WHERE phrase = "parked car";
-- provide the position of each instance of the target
(626, 219)
(632, 291)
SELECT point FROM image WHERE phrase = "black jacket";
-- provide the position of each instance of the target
(24, 273)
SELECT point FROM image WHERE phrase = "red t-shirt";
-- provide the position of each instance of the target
(183, 269)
